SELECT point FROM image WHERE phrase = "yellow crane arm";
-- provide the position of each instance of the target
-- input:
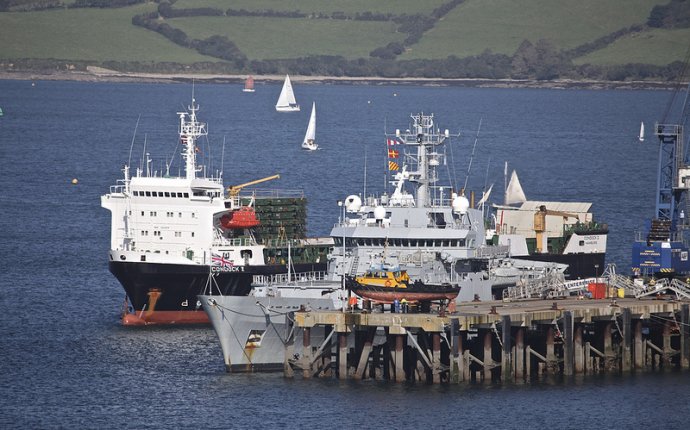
(234, 190)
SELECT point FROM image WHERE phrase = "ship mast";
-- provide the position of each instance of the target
(190, 131)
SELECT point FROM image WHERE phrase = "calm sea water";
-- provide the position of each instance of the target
(65, 361)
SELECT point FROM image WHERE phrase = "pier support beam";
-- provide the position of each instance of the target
(551, 360)
(436, 357)
(306, 353)
(398, 358)
(626, 350)
(568, 344)
(366, 351)
(506, 357)
(685, 336)
(455, 372)
(520, 354)
(578, 350)
(668, 351)
(342, 355)
(639, 347)
(488, 338)
(609, 353)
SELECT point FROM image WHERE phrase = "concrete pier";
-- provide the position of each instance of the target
(496, 341)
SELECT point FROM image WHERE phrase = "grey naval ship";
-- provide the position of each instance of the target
(431, 232)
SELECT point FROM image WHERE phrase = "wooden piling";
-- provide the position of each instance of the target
(506, 358)
(685, 336)
(413, 349)
(568, 344)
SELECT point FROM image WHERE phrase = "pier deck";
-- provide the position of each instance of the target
(506, 341)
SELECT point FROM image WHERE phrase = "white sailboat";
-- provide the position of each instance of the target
(642, 132)
(514, 193)
(310, 136)
(286, 100)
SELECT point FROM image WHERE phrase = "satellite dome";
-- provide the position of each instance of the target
(379, 212)
(461, 204)
(353, 203)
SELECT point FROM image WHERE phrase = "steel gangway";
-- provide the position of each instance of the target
(682, 289)
(551, 285)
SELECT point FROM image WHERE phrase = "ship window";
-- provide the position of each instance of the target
(148, 194)
(454, 243)
(405, 242)
(154, 193)
(186, 195)
(446, 243)
(143, 258)
(142, 213)
(582, 243)
(192, 234)
(179, 214)
(160, 194)
(167, 194)
(136, 193)
(178, 234)
(462, 242)
(193, 214)
(338, 241)
(397, 242)
(406, 223)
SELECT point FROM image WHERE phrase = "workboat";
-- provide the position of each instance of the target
(385, 285)
(549, 231)
(169, 233)
(431, 233)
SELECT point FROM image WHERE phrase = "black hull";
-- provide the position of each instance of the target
(174, 287)
(580, 266)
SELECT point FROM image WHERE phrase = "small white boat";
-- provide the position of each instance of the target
(249, 85)
(286, 100)
(642, 132)
(310, 136)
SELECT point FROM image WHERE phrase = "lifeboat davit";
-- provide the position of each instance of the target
(244, 217)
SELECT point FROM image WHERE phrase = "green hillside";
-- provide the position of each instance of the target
(527, 39)
(501, 25)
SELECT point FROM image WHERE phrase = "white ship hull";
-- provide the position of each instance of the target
(253, 331)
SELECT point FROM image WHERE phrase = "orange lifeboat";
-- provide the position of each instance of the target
(244, 217)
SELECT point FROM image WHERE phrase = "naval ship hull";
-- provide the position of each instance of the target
(253, 331)
(167, 293)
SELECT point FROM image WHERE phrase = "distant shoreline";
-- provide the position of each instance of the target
(97, 74)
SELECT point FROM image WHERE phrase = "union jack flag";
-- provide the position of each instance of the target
(220, 261)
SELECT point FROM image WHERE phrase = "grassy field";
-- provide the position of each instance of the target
(656, 46)
(264, 38)
(88, 34)
(397, 7)
(501, 25)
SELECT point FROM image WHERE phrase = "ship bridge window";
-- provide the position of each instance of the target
(338, 241)
(438, 219)
(197, 193)
(148, 194)
(167, 194)
(136, 193)
(186, 195)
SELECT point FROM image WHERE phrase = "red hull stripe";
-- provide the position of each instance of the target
(166, 317)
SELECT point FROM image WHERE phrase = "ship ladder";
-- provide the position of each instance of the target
(354, 266)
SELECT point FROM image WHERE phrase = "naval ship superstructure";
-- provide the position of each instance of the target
(431, 232)
(169, 235)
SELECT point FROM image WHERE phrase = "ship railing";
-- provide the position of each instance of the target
(285, 278)
(117, 189)
(239, 241)
(674, 236)
(272, 193)
(492, 251)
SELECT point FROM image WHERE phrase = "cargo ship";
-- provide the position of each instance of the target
(173, 238)
(548, 231)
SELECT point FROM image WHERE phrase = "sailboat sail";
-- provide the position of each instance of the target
(310, 136)
(514, 193)
(286, 100)
(642, 132)
(249, 85)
